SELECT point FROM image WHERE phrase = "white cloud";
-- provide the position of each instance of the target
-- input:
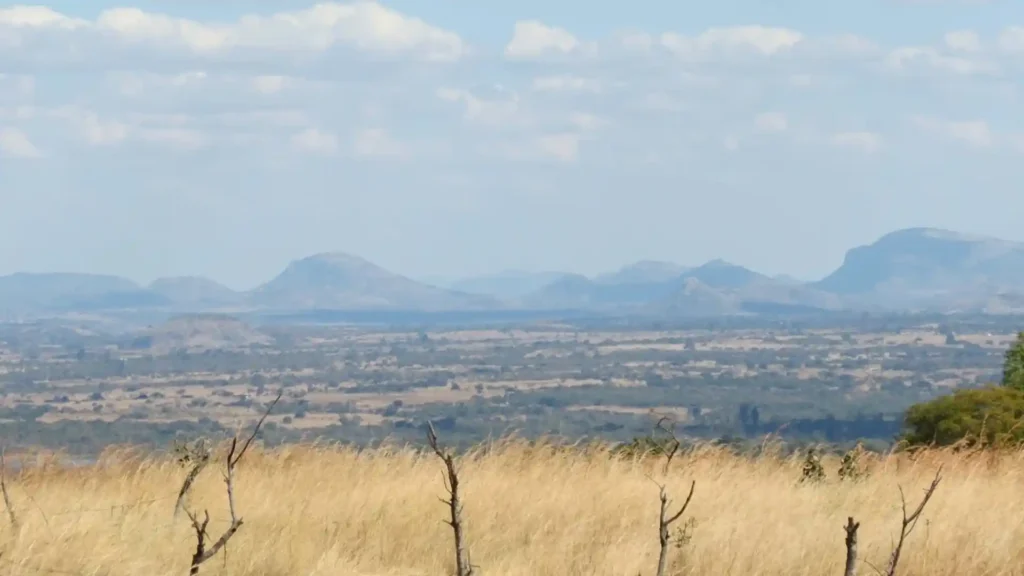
(762, 40)
(15, 144)
(564, 147)
(1012, 39)
(315, 141)
(867, 142)
(534, 39)
(480, 111)
(16, 88)
(909, 58)
(963, 41)
(377, 142)
(565, 83)
(974, 133)
(269, 84)
(587, 122)
(95, 131)
(363, 25)
(29, 17)
(771, 122)
(183, 139)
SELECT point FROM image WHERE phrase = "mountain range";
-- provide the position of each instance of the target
(924, 269)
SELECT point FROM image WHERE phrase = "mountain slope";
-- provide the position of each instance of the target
(194, 290)
(928, 262)
(643, 272)
(344, 282)
(508, 284)
(30, 291)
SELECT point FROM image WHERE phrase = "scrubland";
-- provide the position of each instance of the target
(530, 510)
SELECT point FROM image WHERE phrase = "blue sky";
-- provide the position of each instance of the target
(452, 138)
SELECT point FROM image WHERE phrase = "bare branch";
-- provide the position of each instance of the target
(665, 517)
(202, 554)
(665, 523)
(910, 521)
(255, 429)
(463, 567)
(672, 436)
(851, 547)
(3, 488)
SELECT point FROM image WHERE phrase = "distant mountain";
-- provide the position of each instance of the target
(510, 284)
(576, 291)
(194, 291)
(27, 291)
(643, 272)
(721, 274)
(911, 269)
(716, 286)
(344, 282)
(929, 266)
(695, 298)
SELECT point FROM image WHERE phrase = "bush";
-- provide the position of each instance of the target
(1013, 365)
(993, 415)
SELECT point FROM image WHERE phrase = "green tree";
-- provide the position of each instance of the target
(992, 415)
(1013, 364)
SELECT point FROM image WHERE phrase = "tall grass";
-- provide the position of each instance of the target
(530, 510)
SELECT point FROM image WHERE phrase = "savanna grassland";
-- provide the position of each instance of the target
(529, 510)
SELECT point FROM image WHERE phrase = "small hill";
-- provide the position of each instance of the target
(643, 272)
(339, 281)
(722, 274)
(695, 298)
(576, 291)
(199, 332)
(32, 292)
(925, 263)
(509, 284)
(194, 291)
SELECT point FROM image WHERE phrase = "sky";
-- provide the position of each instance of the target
(451, 138)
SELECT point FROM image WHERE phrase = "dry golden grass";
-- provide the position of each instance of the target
(529, 511)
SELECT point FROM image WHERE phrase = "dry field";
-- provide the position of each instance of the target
(312, 510)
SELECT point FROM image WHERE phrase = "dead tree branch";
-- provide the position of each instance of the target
(198, 455)
(669, 454)
(463, 567)
(665, 517)
(235, 454)
(665, 523)
(851, 547)
(910, 521)
(3, 488)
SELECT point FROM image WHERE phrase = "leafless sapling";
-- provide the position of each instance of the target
(450, 476)
(851, 547)
(3, 488)
(910, 521)
(235, 454)
(666, 518)
(197, 456)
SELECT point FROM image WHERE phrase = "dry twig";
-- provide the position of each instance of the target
(3, 488)
(199, 456)
(463, 567)
(235, 454)
(851, 547)
(910, 521)
(665, 517)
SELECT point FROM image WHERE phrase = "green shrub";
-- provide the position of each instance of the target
(990, 415)
(1013, 365)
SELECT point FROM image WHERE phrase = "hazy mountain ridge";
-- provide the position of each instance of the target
(915, 268)
(335, 280)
